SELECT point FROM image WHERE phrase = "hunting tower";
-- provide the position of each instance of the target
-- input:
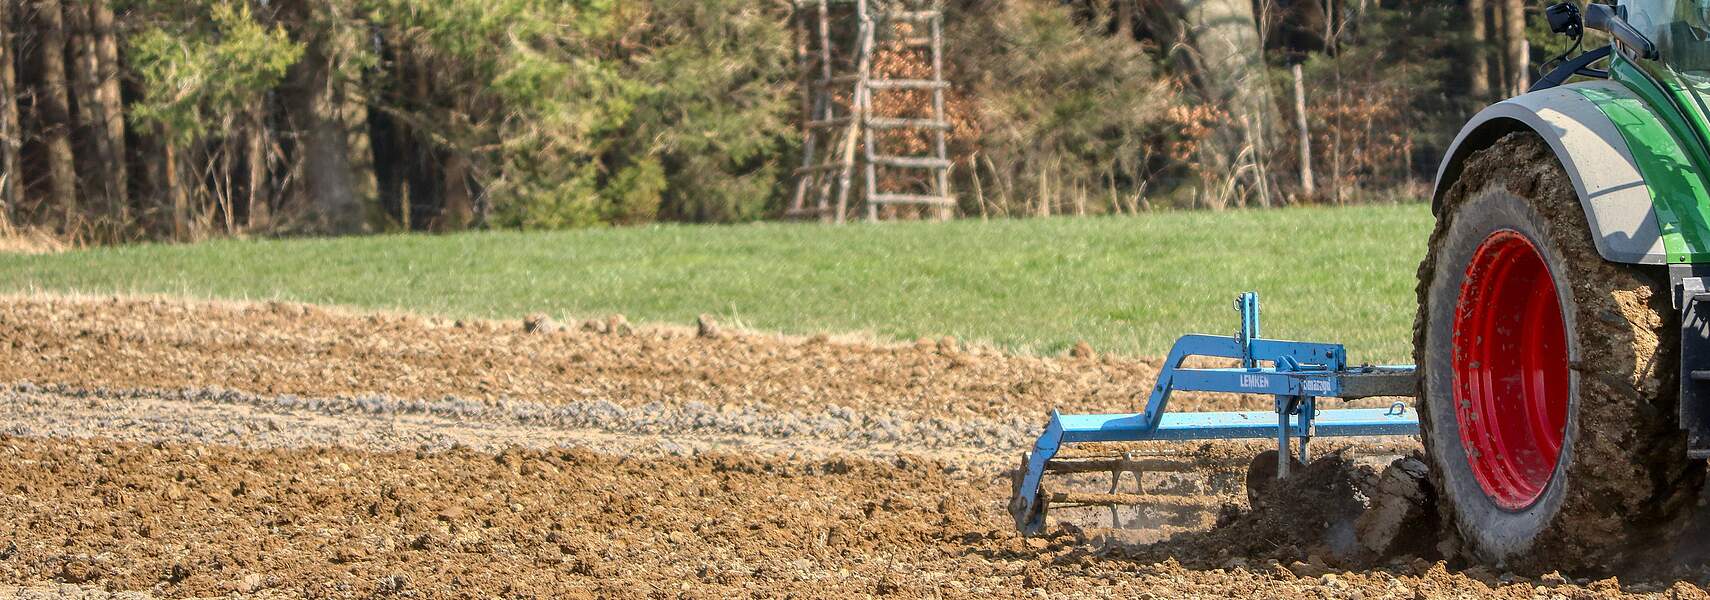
(872, 80)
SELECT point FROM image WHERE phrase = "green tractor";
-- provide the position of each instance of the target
(1562, 341)
(1563, 335)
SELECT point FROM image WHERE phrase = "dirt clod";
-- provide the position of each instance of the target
(540, 323)
(78, 570)
(1082, 350)
(618, 325)
(708, 328)
(1402, 517)
(1308, 516)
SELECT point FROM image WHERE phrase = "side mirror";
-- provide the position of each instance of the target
(1602, 17)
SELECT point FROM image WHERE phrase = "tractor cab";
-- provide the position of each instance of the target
(1679, 30)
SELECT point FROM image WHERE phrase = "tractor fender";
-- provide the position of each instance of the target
(1590, 147)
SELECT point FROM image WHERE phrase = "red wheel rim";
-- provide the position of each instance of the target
(1511, 370)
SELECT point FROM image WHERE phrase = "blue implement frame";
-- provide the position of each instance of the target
(1299, 374)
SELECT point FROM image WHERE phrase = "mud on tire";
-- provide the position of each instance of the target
(1622, 471)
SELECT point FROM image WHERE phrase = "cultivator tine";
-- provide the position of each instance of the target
(1082, 499)
(1134, 465)
(1116, 471)
(1063, 482)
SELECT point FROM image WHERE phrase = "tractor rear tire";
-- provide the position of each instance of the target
(1547, 375)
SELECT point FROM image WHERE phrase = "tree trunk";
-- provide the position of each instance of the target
(328, 194)
(426, 197)
(1306, 185)
(11, 138)
(1227, 37)
(112, 103)
(459, 209)
(1124, 19)
(1478, 58)
(1338, 177)
(312, 96)
(260, 210)
(174, 190)
(56, 113)
(1330, 27)
(1514, 39)
(91, 115)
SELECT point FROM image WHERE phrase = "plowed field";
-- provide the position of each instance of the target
(153, 448)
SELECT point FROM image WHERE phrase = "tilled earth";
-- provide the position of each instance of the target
(153, 448)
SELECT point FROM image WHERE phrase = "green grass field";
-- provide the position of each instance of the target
(1124, 284)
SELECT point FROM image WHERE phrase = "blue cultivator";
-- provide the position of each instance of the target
(1298, 373)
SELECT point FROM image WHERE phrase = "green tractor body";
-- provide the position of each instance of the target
(1562, 334)
(1658, 109)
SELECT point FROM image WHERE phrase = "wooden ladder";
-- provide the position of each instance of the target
(825, 173)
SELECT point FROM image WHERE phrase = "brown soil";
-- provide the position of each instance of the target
(179, 520)
(277, 348)
(1309, 515)
(151, 479)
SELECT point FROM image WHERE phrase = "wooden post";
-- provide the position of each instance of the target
(1306, 185)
